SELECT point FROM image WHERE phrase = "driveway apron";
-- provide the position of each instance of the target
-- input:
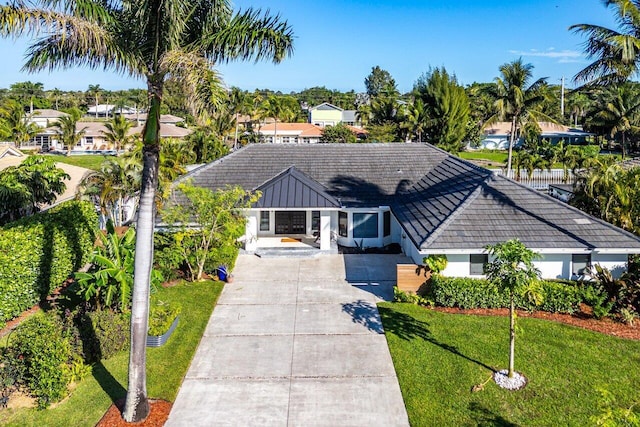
(296, 342)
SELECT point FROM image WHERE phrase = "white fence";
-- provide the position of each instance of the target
(540, 179)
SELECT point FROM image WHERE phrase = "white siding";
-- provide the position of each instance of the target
(616, 263)
(554, 266)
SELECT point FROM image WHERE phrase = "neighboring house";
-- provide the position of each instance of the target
(165, 119)
(8, 150)
(45, 118)
(290, 133)
(327, 114)
(562, 192)
(45, 138)
(108, 110)
(413, 195)
(496, 137)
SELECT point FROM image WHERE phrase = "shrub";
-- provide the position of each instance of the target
(161, 316)
(45, 353)
(39, 252)
(409, 297)
(435, 263)
(465, 292)
(104, 334)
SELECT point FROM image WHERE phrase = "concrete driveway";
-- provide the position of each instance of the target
(296, 342)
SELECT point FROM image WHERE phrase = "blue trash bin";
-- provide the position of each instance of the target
(222, 273)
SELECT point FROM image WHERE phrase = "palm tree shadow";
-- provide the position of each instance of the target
(408, 328)
(485, 417)
(109, 384)
(365, 314)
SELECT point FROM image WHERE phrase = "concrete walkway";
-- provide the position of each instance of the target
(296, 342)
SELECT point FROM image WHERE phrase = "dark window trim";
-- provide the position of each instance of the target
(343, 231)
(386, 220)
(265, 215)
(480, 260)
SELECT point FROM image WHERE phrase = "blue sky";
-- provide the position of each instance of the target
(338, 42)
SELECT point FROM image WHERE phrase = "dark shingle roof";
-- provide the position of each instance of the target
(460, 206)
(293, 189)
(441, 201)
(358, 174)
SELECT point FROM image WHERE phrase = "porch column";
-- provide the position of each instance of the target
(251, 232)
(325, 230)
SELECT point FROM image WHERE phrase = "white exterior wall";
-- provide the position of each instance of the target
(251, 231)
(457, 265)
(554, 266)
(616, 263)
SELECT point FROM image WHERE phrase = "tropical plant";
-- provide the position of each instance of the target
(512, 269)
(279, 108)
(27, 92)
(95, 91)
(415, 119)
(435, 263)
(447, 109)
(25, 188)
(109, 282)
(205, 146)
(114, 188)
(15, 125)
(340, 133)
(154, 40)
(220, 218)
(516, 99)
(67, 128)
(240, 103)
(618, 112)
(117, 133)
(615, 51)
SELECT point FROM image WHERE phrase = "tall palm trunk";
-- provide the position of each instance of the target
(512, 334)
(511, 140)
(137, 404)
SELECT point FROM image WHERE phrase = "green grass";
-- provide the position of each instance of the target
(166, 366)
(439, 357)
(89, 161)
(497, 158)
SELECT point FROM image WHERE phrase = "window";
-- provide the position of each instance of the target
(365, 225)
(315, 220)
(88, 140)
(343, 223)
(477, 263)
(285, 139)
(580, 262)
(386, 216)
(264, 220)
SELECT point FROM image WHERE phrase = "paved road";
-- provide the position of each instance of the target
(296, 342)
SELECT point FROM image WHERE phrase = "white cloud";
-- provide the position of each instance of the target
(563, 55)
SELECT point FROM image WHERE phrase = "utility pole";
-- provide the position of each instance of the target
(562, 97)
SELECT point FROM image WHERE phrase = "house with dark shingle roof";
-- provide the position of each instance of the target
(415, 195)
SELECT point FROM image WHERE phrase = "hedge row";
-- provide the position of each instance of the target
(39, 252)
(465, 292)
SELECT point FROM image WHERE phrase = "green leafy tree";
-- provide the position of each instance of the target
(447, 109)
(67, 127)
(280, 108)
(25, 188)
(614, 51)
(512, 269)
(221, 222)
(379, 82)
(153, 40)
(339, 133)
(27, 93)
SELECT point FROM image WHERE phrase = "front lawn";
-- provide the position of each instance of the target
(88, 161)
(439, 357)
(493, 158)
(166, 366)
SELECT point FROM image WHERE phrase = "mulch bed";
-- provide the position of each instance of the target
(583, 319)
(157, 417)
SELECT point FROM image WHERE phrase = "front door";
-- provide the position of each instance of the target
(291, 222)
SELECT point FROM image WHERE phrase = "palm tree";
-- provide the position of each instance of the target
(113, 188)
(516, 99)
(240, 103)
(117, 133)
(415, 119)
(618, 112)
(95, 90)
(278, 107)
(14, 123)
(615, 52)
(154, 40)
(27, 91)
(68, 133)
